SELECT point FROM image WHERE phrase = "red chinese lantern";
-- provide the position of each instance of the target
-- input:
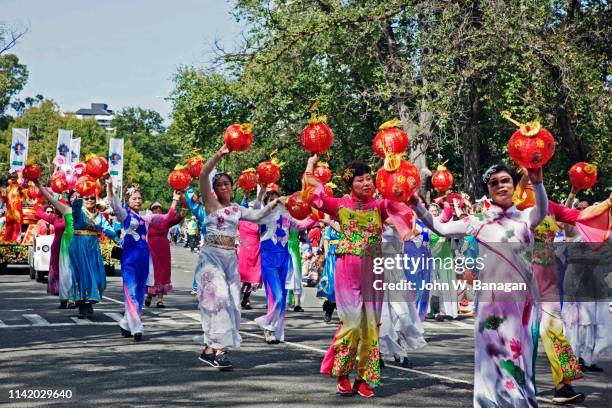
(96, 166)
(179, 178)
(33, 192)
(59, 183)
(390, 139)
(31, 172)
(195, 166)
(98, 187)
(316, 137)
(297, 207)
(86, 186)
(531, 146)
(451, 197)
(398, 180)
(442, 179)
(322, 172)
(329, 189)
(583, 175)
(239, 138)
(269, 172)
(248, 180)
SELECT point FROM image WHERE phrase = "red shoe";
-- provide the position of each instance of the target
(362, 388)
(344, 385)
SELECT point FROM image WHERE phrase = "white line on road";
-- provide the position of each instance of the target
(2, 324)
(115, 316)
(113, 300)
(36, 320)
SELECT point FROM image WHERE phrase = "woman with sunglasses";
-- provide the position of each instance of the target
(506, 321)
(88, 274)
(135, 253)
(217, 268)
(59, 279)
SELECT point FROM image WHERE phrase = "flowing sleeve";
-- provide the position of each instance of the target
(194, 206)
(105, 226)
(159, 219)
(301, 225)
(178, 217)
(261, 216)
(562, 213)
(455, 229)
(118, 209)
(537, 213)
(321, 201)
(400, 214)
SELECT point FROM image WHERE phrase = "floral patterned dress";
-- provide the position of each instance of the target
(505, 331)
(218, 278)
(356, 343)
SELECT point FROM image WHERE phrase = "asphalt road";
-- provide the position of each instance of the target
(43, 348)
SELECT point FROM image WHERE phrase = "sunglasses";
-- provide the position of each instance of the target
(497, 182)
(91, 198)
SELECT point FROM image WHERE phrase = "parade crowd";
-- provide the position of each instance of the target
(259, 245)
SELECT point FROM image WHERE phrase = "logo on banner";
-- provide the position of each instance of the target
(74, 157)
(115, 158)
(19, 148)
(62, 149)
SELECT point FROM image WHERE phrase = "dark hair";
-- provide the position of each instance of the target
(498, 168)
(354, 169)
(70, 194)
(267, 195)
(218, 176)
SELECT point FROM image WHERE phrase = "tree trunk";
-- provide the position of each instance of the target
(470, 140)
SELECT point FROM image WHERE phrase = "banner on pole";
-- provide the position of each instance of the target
(64, 139)
(19, 149)
(115, 164)
(75, 151)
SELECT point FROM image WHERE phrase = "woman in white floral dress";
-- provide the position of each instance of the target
(217, 268)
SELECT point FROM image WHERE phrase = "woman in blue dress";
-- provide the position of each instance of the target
(325, 287)
(87, 267)
(135, 260)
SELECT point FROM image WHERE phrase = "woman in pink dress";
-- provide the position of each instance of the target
(159, 248)
(249, 263)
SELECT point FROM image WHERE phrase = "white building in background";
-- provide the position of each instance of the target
(99, 112)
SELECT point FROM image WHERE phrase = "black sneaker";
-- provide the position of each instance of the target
(125, 333)
(82, 310)
(298, 308)
(566, 394)
(593, 368)
(71, 305)
(138, 337)
(327, 318)
(89, 309)
(222, 362)
(207, 358)
(147, 301)
(63, 304)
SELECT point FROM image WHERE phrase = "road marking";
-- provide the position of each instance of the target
(2, 324)
(87, 322)
(194, 316)
(112, 300)
(463, 325)
(115, 316)
(37, 320)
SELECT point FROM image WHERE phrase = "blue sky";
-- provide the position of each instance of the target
(121, 52)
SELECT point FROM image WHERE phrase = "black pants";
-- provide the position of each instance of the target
(192, 240)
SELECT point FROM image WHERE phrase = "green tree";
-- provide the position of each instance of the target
(13, 77)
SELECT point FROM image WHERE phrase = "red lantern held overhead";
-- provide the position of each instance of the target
(297, 207)
(31, 172)
(59, 183)
(398, 181)
(442, 179)
(195, 166)
(583, 175)
(96, 166)
(390, 139)
(269, 172)
(179, 178)
(531, 146)
(322, 172)
(248, 180)
(316, 137)
(86, 186)
(239, 137)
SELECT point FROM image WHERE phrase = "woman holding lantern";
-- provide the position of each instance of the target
(359, 307)
(135, 253)
(217, 267)
(506, 321)
(275, 263)
(88, 274)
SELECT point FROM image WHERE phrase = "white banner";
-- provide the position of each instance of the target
(75, 151)
(115, 164)
(19, 149)
(64, 139)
